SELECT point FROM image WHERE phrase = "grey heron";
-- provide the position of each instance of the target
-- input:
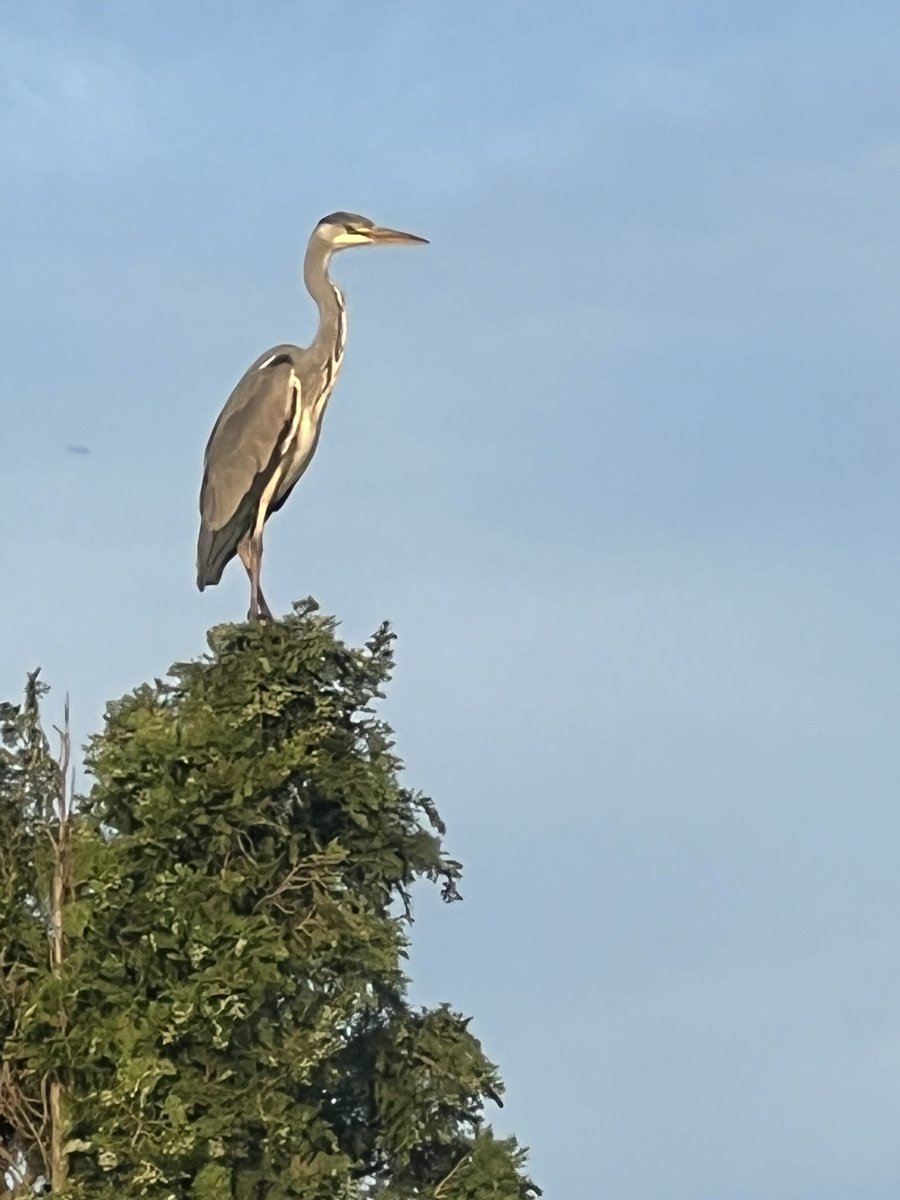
(268, 431)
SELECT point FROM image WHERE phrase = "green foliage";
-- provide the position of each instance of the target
(236, 1019)
(30, 785)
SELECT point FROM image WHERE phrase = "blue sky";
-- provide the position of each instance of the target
(617, 456)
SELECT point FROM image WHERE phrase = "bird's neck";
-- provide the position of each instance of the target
(331, 334)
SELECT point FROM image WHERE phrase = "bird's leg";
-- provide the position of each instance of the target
(250, 554)
(246, 553)
(264, 611)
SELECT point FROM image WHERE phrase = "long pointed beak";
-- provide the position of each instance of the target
(386, 236)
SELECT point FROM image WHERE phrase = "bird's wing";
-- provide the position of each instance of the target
(254, 420)
(241, 456)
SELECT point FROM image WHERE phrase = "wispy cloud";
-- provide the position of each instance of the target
(68, 103)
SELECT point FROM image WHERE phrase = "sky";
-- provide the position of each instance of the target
(616, 454)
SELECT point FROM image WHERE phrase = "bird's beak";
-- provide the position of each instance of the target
(387, 236)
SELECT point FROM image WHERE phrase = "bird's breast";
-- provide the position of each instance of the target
(309, 425)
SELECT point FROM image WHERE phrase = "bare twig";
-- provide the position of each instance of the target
(59, 889)
(439, 1190)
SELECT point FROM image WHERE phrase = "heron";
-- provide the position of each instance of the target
(268, 431)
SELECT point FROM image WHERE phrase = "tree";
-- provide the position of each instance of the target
(36, 826)
(237, 1022)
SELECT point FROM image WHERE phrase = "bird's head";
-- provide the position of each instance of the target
(341, 230)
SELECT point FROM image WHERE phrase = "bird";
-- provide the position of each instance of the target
(267, 433)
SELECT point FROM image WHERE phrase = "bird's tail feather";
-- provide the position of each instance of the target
(215, 549)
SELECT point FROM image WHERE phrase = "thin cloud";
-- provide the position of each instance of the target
(68, 103)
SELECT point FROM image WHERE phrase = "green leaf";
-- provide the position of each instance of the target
(231, 1017)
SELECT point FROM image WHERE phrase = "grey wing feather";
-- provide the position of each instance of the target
(241, 455)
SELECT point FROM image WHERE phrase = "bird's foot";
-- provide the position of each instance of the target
(260, 617)
(265, 613)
